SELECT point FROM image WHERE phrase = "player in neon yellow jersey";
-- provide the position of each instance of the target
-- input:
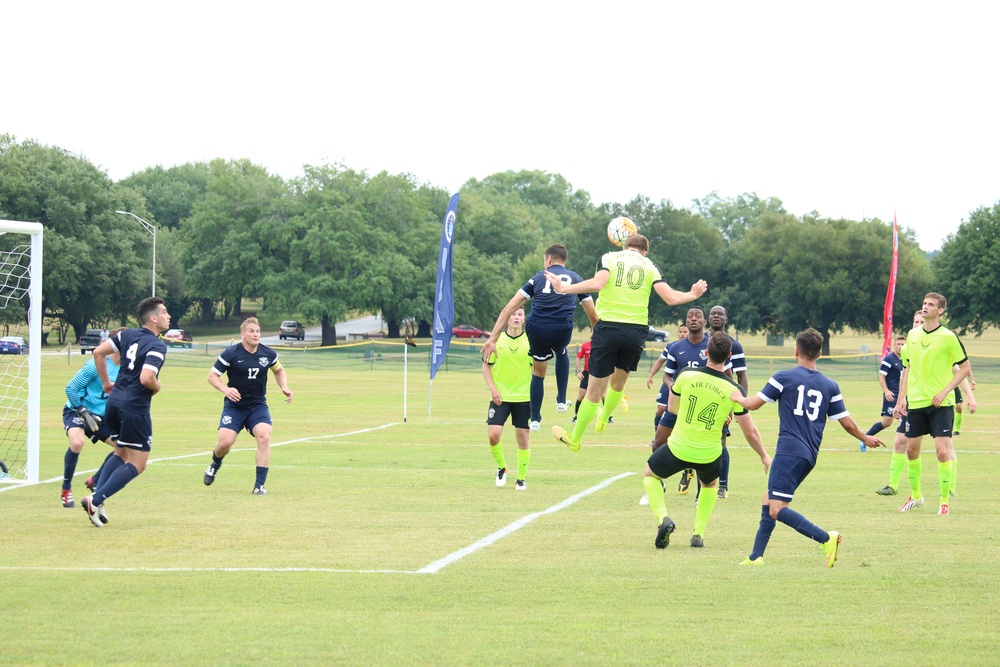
(927, 397)
(508, 376)
(625, 280)
(701, 399)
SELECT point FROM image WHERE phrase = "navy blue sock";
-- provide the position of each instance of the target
(111, 464)
(562, 375)
(216, 461)
(790, 517)
(875, 429)
(724, 473)
(122, 476)
(537, 394)
(764, 531)
(100, 471)
(69, 467)
(261, 475)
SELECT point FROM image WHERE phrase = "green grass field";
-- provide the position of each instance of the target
(371, 545)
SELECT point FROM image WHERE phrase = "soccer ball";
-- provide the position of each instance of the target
(620, 229)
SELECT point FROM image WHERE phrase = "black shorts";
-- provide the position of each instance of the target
(519, 413)
(546, 340)
(958, 395)
(616, 345)
(73, 420)
(663, 463)
(936, 422)
(585, 380)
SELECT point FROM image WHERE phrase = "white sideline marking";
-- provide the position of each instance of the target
(510, 528)
(235, 449)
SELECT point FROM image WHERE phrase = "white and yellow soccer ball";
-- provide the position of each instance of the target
(620, 229)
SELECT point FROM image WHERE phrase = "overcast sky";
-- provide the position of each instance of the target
(851, 109)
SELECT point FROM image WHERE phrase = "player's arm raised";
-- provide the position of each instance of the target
(673, 297)
(595, 284)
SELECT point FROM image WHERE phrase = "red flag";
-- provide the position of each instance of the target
(890, 293)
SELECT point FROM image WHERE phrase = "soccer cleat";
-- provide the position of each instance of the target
(624, 404)
(723, 493)
(862, 447)
(830, 548)
(955, 433)
(644, 501)
(943, 510)
(534, 426)
(599, 425)
(519, 485)
(685, 484)
(67, 498)
(210, 474)
(501, 476)
(663, 533)
(562, 407)
(758, 561)
(259, 490)
(101, 514)
(88, 506)
(562, 435)
(697, 541)
(887, 491)
(912, 504)
(952, 493)
(611, 419)
(91, 483)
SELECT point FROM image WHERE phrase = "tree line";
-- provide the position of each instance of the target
(336, 241)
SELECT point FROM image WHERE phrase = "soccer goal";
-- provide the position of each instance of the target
(20, 349)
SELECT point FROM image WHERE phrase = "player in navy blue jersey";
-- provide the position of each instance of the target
(245, 402)
(127, 415)
(549, 327)
(717, 320)
(889, 372)
(806, 399)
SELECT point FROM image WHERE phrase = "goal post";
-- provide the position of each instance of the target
(20, 374)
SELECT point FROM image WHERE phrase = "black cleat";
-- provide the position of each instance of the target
(887, 491)
(210, 475)
(663, 533)
(697, 541)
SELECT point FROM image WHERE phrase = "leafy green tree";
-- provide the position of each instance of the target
(732, 216)
(966, 272)
(170, 194)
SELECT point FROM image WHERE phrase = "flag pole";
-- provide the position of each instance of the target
(444, 296)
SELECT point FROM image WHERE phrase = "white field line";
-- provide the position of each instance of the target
(517, 525)
(235, 449)
(432, 568)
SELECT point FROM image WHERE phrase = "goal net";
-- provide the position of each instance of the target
(20, 349)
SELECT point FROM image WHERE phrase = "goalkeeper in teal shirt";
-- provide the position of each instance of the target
(83, 417)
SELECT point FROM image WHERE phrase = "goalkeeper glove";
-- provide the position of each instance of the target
(90, 420)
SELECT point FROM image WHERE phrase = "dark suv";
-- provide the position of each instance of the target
(657, 335)
(291, 329)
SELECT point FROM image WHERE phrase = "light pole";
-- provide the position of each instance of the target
(151, 228)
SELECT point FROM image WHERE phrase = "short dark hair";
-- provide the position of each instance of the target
(557, 251)
(720, 346)
(941, 301)
(147, 307)
(900, 336)
(637, 241)
(695, 306)
(809, 343)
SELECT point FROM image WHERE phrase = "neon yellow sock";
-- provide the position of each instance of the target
(954, 476)
(654, 492)
(706, 503)
(896, 469)
(914, 468)
(611, 401)
(523, 457)
(497, 452)
(944, 480)
(958, 422)
(585, 415)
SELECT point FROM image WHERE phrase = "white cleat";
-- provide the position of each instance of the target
(534, 426)
(519, 485)
(644, 501)
(562, 407)
(501, 477)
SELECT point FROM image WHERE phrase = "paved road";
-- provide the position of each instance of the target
(315, 334)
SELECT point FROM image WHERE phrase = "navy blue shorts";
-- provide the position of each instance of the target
(616, 345)
(664, 395)
(519, 413)
(132, 429)
(236, 418)
(936, 422)
(73, 420)
(888, 407)
(663, 463)
(787, 473)
(668, 419)
(546, 340)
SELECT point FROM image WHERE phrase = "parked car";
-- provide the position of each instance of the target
(178, 338)
(657, 335)
(468, 331)
(92, 339)
(13, 345)
(291, 329)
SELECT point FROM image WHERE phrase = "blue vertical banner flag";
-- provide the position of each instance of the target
(444, 296)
